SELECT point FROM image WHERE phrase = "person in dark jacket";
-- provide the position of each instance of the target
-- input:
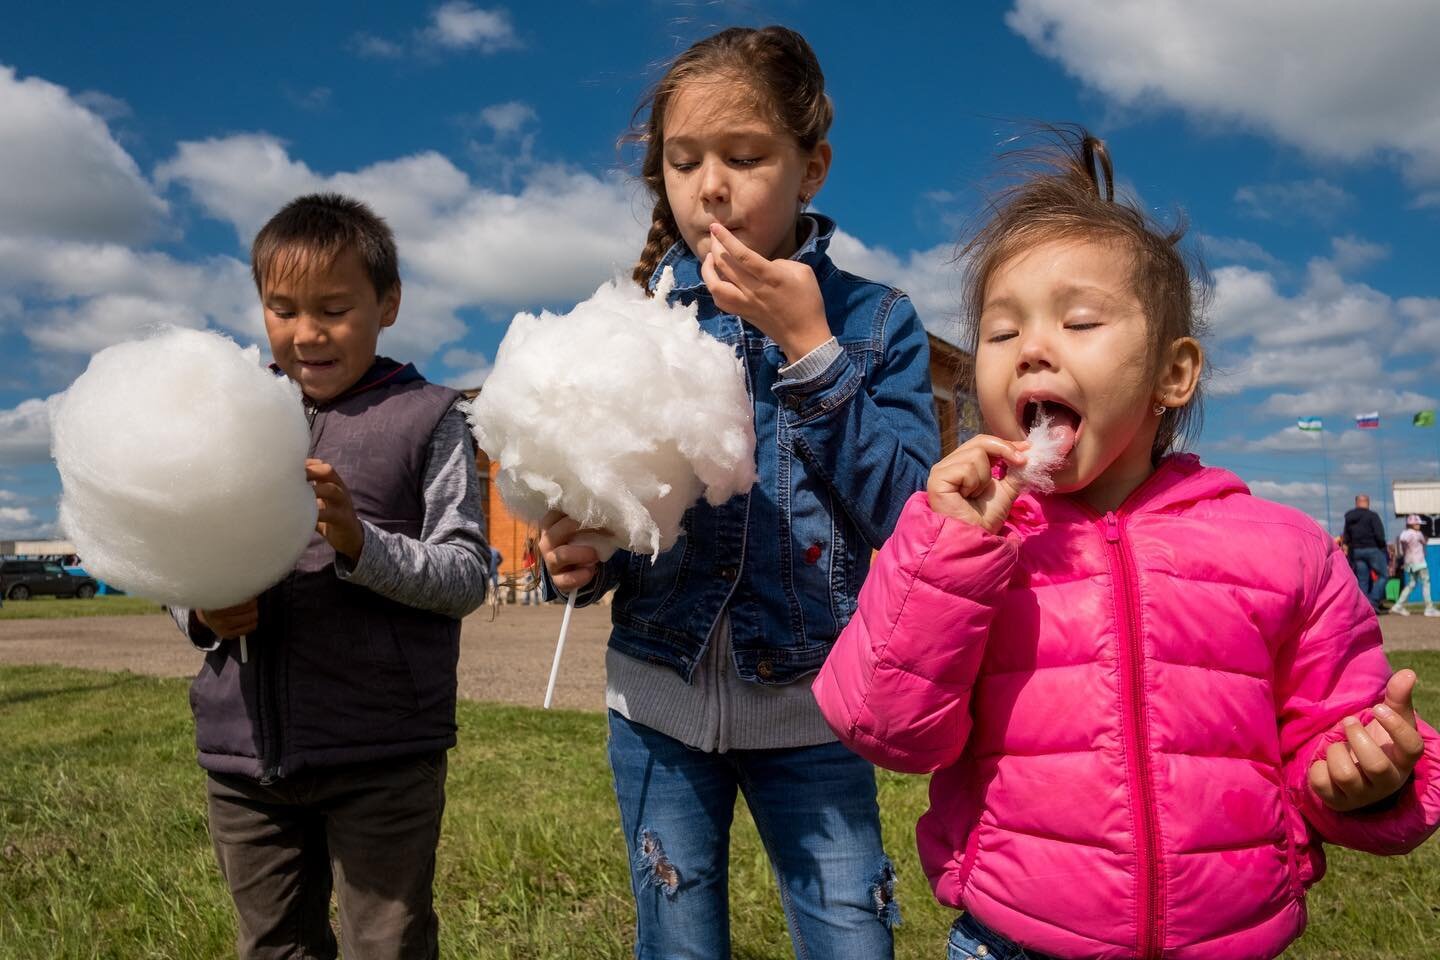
(326, 746)
(1364, 539)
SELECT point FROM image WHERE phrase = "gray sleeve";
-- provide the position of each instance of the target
(813, 364)
(196, 632)
(445, 570)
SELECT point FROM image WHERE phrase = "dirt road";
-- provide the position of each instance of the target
(504, 661)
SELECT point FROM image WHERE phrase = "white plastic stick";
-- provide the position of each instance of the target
(244, 649)
(560, 648)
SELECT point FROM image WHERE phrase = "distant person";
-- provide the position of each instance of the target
(496, 558)
(1365, 542)
(326, 747)
(1412, 557)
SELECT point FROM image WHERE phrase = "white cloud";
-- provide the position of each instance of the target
(1348, 400)
(1248, 303)
(377, 47)
(1302, 495)
(7, 496)
(1338, 79)
(1300, 365)
(1292, 439)
(15, 517)
(1317, 200)
(507, 119)
(61, 172)
(89, 296)
(931, 277)
(25, 433)
(473, 368)
(1236, 250)
(460, 25)
(103, 105)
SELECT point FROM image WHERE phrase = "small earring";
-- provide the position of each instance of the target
(804, 199)
(1159, 408)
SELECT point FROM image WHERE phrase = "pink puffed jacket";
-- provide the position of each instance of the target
(1120, 711)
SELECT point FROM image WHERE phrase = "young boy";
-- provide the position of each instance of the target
(325, 746)
(1413, 567)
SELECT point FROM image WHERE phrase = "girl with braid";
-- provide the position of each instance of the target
(714, 644)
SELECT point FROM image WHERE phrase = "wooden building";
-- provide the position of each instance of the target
(949, 366)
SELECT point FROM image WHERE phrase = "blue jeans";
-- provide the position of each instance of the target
(972, 940)
(817, 816)
(1365, 559)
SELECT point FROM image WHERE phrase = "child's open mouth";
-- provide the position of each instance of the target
(1064, 421)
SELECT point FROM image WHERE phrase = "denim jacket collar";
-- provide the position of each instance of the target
(687, 266)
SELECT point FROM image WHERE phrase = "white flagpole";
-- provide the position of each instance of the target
(1325, 463)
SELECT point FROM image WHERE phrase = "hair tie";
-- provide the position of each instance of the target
(1094, 150)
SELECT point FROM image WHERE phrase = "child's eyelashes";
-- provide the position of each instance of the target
(1083, 325)
(685, 166)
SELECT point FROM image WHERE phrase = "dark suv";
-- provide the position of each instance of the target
(23, 579)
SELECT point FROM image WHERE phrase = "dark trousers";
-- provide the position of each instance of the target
(368, 832)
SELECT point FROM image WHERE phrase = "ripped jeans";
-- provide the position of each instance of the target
(817, 816)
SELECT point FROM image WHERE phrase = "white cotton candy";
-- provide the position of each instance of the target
(183, 464)
(621, 413)
(1048, 448)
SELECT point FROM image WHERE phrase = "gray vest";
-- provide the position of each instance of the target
(338, 674)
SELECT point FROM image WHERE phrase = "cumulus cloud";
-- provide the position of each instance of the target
(1337, 79)
(1236, 250)
(467, 244)
(1292, 439)
(1318, 200)
(15, 517)
(931, 277)
(472, 368)
(1346, 400)
(1303, 495)
(459, 25)
(452, 26)
(25, 433)
(62, 174)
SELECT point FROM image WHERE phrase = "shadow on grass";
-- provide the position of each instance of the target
(31, 696)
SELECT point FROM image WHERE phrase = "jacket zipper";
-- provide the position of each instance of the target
(1147, 840)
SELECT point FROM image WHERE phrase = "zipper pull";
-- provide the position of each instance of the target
(1112, 527)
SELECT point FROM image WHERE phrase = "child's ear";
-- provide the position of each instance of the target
(390, 306)
(1179, 373)
(817, 168)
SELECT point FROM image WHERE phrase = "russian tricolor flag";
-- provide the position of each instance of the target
(1368, 421)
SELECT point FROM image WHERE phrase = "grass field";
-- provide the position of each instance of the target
(53, 608)
(104, 853)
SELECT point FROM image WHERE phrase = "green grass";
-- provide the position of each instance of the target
(53, 608)
(104, 852)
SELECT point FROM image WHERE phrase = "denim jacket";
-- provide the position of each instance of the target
(837, 455)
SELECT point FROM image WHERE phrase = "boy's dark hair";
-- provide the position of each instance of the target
(784, 76)
(317, 228)
(1065, 190)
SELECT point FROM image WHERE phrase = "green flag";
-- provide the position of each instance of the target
(1425, 418)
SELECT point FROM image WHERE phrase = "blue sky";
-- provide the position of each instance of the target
(141, 146)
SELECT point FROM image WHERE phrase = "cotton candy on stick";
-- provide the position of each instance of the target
(182, 460)
(621, 413)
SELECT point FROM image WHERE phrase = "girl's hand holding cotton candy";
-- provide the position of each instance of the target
(183, 465)
(780, 298)
(570, 564)
(964, 485)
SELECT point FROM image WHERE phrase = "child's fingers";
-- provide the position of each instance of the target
(1380, 773)
(557, 534)
(1399, 692)
(572, 580)
(998, 449)
(331, 493)
(726, 295)
(1344, 775)
(1408, 743)
(738, 253)
(570, 556)
(1324, 787)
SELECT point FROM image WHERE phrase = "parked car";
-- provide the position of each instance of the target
(23, 579)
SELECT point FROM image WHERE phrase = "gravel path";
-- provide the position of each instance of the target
(506, 660)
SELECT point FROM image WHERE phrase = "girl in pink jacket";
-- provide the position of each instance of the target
(1141, 726)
